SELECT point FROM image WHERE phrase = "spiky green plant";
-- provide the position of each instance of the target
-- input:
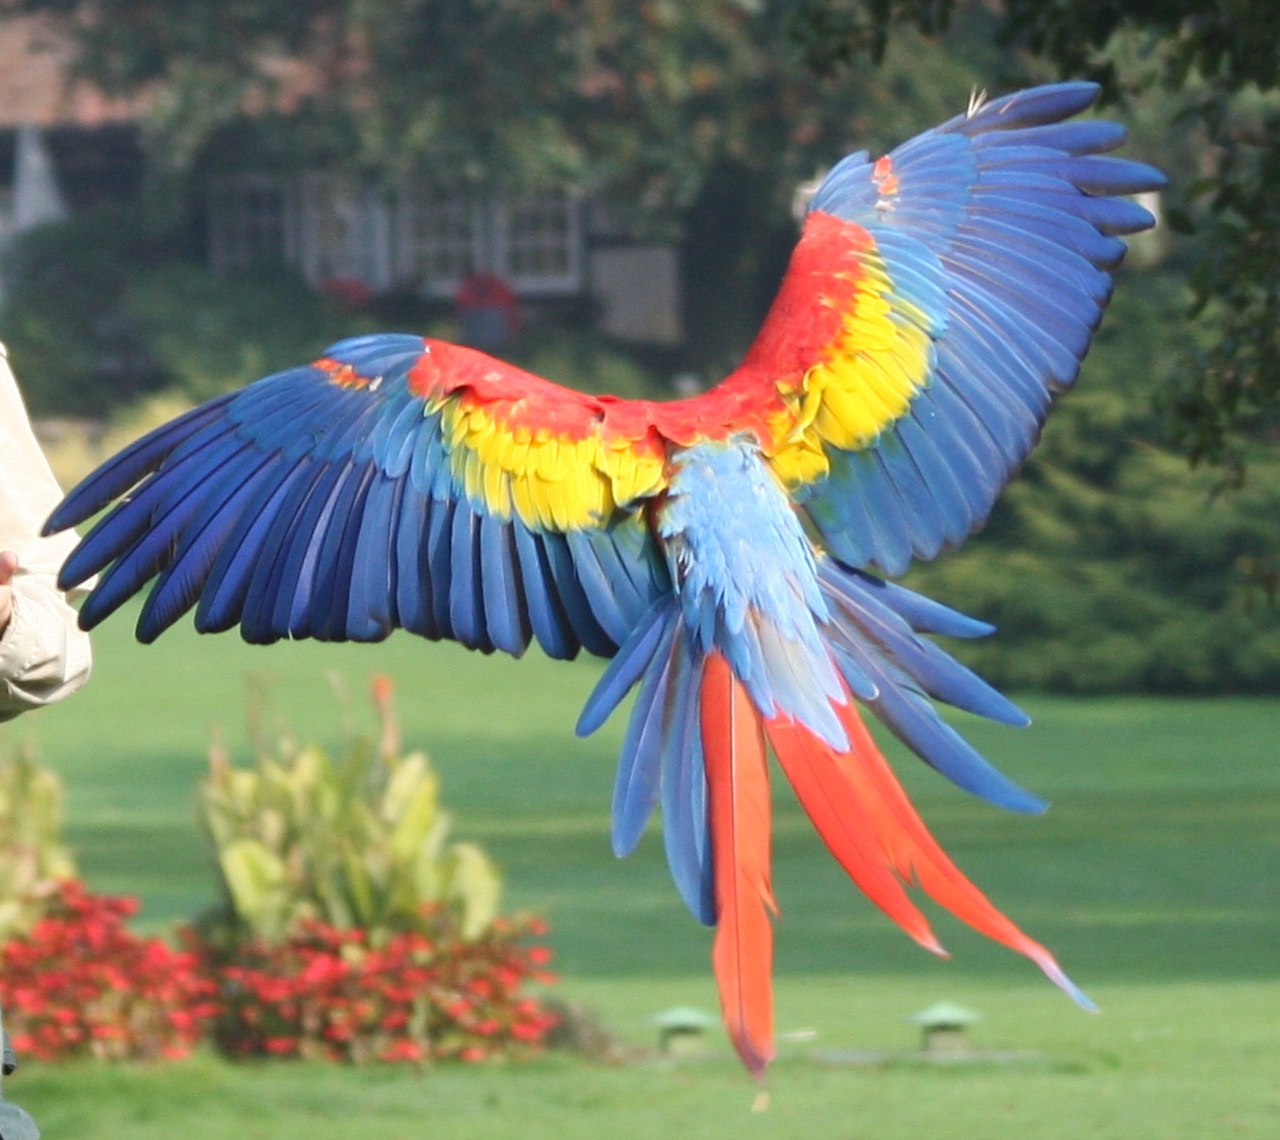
(33, 858)
(357, 840)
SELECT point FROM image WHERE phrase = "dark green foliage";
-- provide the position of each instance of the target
(1229, 400)
(78, 348)
(98, 313)
(209, 333)
(1109, 565)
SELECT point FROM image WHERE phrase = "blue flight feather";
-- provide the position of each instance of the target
(547, 617)
(126, 468)
(466, 601)
(577, 606)
(179, 584)
(504, 607)
(414, 587)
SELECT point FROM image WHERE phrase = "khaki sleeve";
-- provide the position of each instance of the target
(44, 655)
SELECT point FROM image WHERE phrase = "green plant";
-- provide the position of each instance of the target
(74, 341)
(103, 309)
(33, 857)
(358, 841)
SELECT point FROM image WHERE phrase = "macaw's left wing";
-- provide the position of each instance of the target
(393, 483)
(935, 301)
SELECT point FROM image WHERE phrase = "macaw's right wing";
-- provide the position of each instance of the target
(393, 483)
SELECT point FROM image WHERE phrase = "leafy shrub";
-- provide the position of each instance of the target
(79, 984)
(423, 995)
(33, 858)
(99, 312)
(209, 333)
(352, 930)
(75, 344)
(358, 842)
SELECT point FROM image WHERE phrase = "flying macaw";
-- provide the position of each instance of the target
(730, 552)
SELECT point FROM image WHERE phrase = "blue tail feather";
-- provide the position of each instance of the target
(627, 667)
(661, 756)
(640, 763)
(874, 636)
(686, 832)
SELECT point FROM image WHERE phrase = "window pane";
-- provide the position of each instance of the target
(247, 222)
(439, 238)
(542, 242)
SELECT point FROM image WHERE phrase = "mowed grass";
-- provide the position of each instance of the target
(1155, 878)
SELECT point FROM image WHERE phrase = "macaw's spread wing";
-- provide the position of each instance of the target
(394, 483)
(936, 298)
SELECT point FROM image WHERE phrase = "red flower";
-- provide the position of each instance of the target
(80, 984)
(414, 998)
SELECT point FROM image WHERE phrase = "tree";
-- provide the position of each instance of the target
(643, 98)
(1216, 67)
(1109, 565)
(695, 119)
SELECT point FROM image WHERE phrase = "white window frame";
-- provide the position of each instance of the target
(344, 231)
(566, 208)
(416, 247)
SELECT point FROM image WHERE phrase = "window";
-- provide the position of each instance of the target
(446, 235)
(249, 222)
(344, 231)
(424, 236)
(440, 239)
(541, 243)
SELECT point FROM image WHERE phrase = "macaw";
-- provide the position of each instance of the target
(730, 553)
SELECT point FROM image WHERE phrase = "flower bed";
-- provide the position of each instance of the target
(419, 997)
(80, 984)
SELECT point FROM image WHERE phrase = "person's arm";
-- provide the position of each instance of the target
(44, 655)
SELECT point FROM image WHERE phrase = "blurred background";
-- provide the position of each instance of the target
(196, 194)
(192, 196)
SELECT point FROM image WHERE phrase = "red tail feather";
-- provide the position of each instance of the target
(835, 791)
(738, 789)
(861, 811)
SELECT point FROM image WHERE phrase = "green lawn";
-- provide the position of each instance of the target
(1156, 879)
